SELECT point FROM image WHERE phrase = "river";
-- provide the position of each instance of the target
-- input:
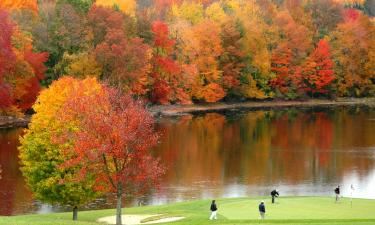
(299, 151)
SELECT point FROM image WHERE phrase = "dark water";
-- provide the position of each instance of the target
(239, 153)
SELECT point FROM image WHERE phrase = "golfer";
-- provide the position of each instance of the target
(213, 209)
(274, 195)
(337, 192)
(262, 210)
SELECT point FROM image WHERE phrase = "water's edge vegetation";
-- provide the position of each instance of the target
(173, 110)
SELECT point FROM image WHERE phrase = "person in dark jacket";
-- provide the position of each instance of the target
(213, 209)
(262, 210)
(274, 195)
(337, 192)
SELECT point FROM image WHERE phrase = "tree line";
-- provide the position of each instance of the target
(175, 51)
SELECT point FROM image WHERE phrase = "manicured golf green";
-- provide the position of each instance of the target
(287, 210)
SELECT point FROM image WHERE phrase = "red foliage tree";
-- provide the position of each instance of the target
(6, 59)
(125, 62)
(318, 71)
(166, 71)
(101, 20)
(111, 143)
(281, 67)
(6, 52)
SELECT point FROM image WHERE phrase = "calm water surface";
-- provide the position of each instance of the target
(238, 153)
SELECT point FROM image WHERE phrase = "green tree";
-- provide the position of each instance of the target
(41, 155)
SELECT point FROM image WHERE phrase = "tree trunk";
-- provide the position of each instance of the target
(119, 204)
(75, 213)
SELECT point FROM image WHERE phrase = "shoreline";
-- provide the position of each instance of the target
(8, 122)
(176, 110)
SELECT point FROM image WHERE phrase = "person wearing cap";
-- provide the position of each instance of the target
(213, 209)
(274, 195)
(262, 210)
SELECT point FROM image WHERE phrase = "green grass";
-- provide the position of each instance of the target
(287, 210)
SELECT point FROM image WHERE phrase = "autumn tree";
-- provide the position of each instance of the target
(21, 68)
(42, 156)
(79, 65)
(111, 143)
(19, 4)
(27, 72)
(318, 72)
(125, 62)
(126, 6)
(166, 73)
(291, 32)
(256, 40)
(101, 20)
(6, 59)
(326, 14)
(232, 61)
(191, 11)
(201, 46)
(287, 82)
(353, 52)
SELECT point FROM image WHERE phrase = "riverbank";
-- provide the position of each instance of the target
(173, 110)
(287, 210)
(11, 121)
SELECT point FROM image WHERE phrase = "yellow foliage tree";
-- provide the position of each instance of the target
(215, 12)
(19, 4)
(79, 65)
(126, 6)
(189, 11)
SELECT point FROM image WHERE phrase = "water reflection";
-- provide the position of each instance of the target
(242, 153)
(301, 152)
(14, 196)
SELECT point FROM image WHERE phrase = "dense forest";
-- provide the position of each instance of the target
(183, 52)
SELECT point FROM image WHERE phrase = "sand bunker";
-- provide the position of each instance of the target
(136, 219)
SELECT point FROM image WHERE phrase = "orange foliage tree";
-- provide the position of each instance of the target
(202, 47)
(232, 61)
(19, 4)
(353, 45)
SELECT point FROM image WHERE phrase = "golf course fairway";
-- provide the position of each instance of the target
(286, 210)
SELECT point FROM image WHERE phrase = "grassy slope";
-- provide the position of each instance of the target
(288, 210)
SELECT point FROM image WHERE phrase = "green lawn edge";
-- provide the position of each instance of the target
(288, 210)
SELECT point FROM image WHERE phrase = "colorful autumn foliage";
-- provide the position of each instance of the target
(110, 142)
(166, 73)
(19, 4)
(318, 71)
(21, 68)
(175, 51)
(42, 156)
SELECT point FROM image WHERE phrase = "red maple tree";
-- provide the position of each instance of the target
(6, 56)
(111, 143)
(166, 71)
(318, 71)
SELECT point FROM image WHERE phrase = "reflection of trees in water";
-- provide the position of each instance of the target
(14, 196)
(264, 147)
